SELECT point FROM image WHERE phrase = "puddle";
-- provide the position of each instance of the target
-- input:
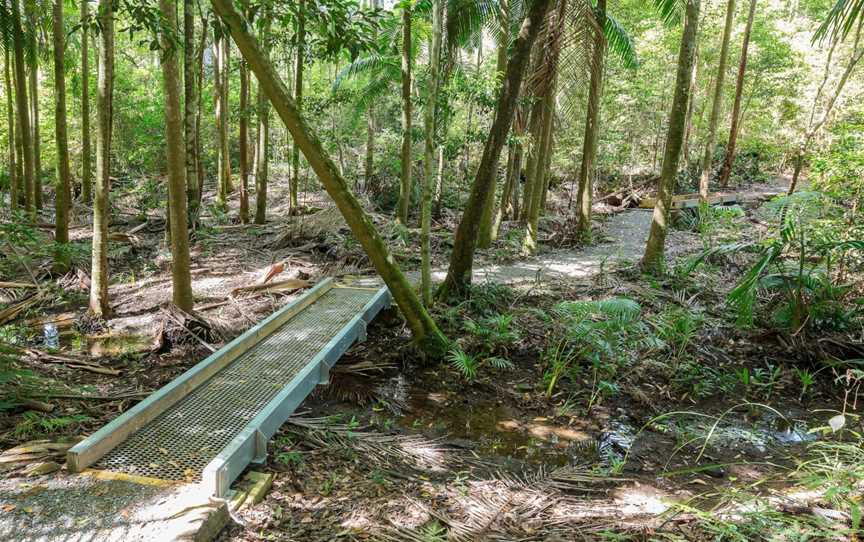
(492, 429)
(97, 346)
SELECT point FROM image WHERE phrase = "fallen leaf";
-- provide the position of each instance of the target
(8, 507)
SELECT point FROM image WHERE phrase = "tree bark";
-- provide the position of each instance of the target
(490, 219)
(63, 195)
(462, 257)
(199, 82)
(86, 153)
(262, 149)
(652, 261)
(300, 60)
(189, 109)
(10, 132)
(221, 75)
(181, 281)
(405, 187)
(23, 112)
(539, 171)
(585, 192)
(244, 143)
(33, 78)
(429, 128)
(426, 333)
(726, 171)
(99, 304)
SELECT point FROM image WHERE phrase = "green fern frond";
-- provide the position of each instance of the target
(620, 43)
(464, 363)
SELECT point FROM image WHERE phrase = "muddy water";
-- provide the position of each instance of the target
(97, 346)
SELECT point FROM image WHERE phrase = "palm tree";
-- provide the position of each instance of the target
(23, 110)
(429, 120)
(10, 123)
(405, 75)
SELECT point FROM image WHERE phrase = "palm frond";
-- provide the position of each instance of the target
(841, 20)
(620, 43)
(373, 64)
(670, 11)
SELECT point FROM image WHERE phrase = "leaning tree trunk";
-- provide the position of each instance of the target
(726, 171)
(99, 305)
(652, 261)
(462, 257)
(10, 132)
(429, 117)
(705, 175)
(405, 186)
(298, 97)
(181, 282)
(262, 149)
(63, 196)
(490, 218)
(426, 333)
(86, 153)
(23, 109)
(244, 143)
(585, 192)
(189, 110)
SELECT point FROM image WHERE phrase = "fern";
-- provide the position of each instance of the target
(464, 363)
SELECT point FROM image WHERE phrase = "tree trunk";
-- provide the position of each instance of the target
(181, 281)
(221, 76)
(244, 143)
(99, 305)
(717, 102)
(426, 333)
(405, 186)
(262, 149)
(535, 128)
(63, 195)
(23, 107)
(300, 60)
(86, 153)
(585, 193)
(726, 171)
(369, 184)
(199, 83)
(429, 118)
(652, 261)
(688, 121)
(462, 257)
(190, 106)
(33, 79)
(10, 132)
(539, 171)
(490, 219)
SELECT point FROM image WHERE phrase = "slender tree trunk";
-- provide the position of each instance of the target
(426, 333)
(221, 75)
(490, 219)
(63, 195)
(10, 132)
(189, 110)
(462, 257)
(86, 153)
(33, 79)
(688, 122)
(726, 171)
(652, 261)
(717, 101)
(429, 118)
(405, 187)
(262, 149)
(540, 170)
(199, 80)
(585, 193)
(99, 304)
(181, 282)
(369, 184)
(535, 128)
(244, 143)
(23, 107)
(298, 96)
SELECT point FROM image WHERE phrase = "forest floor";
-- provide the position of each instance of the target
(649, 440)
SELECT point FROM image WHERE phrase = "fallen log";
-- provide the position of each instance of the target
(278, 286)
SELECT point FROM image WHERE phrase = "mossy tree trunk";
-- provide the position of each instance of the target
(462, 258)
(652, 261)
(426, 333)
(181, 282)
(62, 191)
(99, 303)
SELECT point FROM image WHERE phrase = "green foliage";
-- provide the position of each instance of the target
(677, 327)
(34, 424)
(493, 333)
(469, 365)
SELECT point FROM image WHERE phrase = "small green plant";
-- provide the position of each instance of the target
(494, 333)
(35, 424)
(806, 379)
(468, 365)
(677, 327)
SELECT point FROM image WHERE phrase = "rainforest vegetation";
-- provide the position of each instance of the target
(623, 241)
